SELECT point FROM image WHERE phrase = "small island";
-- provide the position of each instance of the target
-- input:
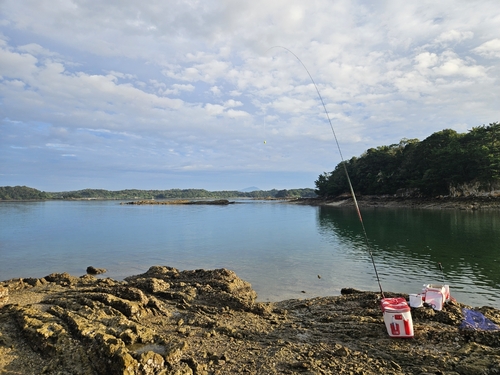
(219, 202)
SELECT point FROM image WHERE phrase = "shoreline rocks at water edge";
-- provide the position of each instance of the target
(218, 202)
(458, 203)
(167, 321)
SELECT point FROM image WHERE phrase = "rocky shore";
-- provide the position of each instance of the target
(460, 203)
(218, 202)
(208, 322)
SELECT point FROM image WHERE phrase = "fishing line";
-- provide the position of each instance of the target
(344, 164)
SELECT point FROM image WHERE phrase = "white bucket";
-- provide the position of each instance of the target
(416, 300)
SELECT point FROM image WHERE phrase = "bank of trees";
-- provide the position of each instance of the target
(8, 193)
(445, 162)
(182, 194)
(26, 193)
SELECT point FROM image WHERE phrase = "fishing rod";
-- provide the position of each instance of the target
(345, 167)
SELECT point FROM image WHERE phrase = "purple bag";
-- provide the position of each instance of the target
(476, 321)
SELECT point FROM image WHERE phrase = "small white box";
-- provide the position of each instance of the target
(416, 300)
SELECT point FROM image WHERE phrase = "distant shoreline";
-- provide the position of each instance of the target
(145, 201)
(460, 203)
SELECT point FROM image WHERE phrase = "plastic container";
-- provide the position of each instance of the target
(436, 295)
(416, 300)
(397, 317)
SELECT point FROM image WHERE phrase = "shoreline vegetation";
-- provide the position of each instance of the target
(446, 163)
(205, 322)
(295, 196)
(24, 193)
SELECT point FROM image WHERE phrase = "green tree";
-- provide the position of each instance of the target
(22, 193)
(443, 160)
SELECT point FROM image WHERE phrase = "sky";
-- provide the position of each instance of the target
(219, 94)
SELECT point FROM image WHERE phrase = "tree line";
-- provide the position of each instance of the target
(27, 193)
(22, 193)
(445, 163)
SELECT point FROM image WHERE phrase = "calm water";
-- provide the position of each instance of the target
(279, 248)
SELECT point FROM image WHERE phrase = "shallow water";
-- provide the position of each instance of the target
(283, 250)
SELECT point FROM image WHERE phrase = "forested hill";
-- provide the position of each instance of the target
(26, 193)
(445, 163)
(22, 193)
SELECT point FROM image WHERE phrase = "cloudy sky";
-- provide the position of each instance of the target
(162, 94)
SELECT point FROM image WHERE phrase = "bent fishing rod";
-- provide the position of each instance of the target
(345, 168)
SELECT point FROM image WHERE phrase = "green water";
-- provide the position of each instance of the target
(283, 250)
(408, 244)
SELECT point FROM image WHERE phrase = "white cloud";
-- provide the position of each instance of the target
(16, 65)
(121, 75)
(176, 88)
(451, 64)
(490, 48)
(231, 113)
(226, 109)
(426, 60)
(231, 103)
(214, 109)
(454, 36)
(215, 90)
(187, 85)
(36, 49)
(57, 145)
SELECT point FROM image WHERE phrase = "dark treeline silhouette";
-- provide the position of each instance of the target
(445, 163)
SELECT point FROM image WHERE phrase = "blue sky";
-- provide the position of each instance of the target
(165, 94)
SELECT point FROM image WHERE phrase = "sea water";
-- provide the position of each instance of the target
(284, 250)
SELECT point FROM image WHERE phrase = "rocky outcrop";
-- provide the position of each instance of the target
(209, 288)
(167, 321)
(475, 189)
(96, 271)
(459, 203)
(220, 202)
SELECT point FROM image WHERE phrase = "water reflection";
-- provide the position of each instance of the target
(279, 248)
(408, 244)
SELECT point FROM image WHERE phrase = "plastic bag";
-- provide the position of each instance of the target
(476, 321)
